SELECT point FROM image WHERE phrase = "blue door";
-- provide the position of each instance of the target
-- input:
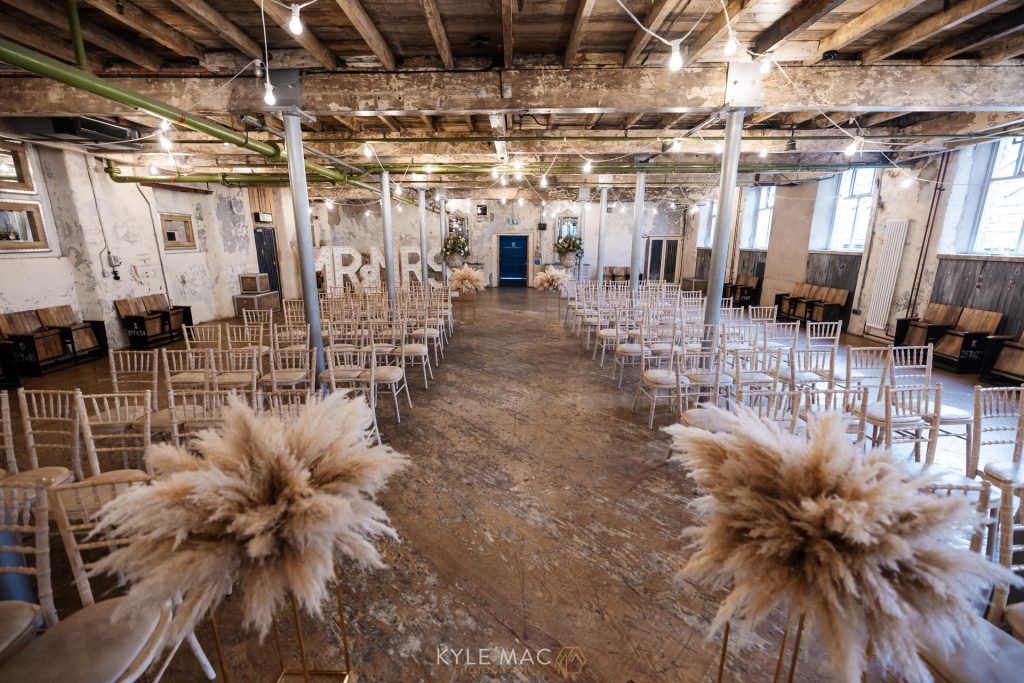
(512, 260)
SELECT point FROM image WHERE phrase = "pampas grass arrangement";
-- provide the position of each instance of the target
(466, 279)
(267, 508)
(551, 279)
(837, 534)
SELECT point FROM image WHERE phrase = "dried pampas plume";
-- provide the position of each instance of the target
(267, 507)
(551, 279)
(837, 534)
(467, 279)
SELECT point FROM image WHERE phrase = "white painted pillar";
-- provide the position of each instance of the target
(423, 235)
(442, 202)
(304, 235)
(637, 261)
(726, 216)
(601, 221)
(584, 198)
(389, 235)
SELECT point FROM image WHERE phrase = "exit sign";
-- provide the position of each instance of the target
(511, 221)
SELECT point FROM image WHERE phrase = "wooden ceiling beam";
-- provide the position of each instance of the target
(1003, 50)
(759, 117)
(469, 123)
(793, 22)
(45, 43)
(307, 39)
(962, 123)
(670, 120)
(869, 120)
(632, 120)
(390, 122)
(797, 118)
(364, 25)
(1001, 27)
(56, 15)
(352, 124)
(206, 14)
(436, 25)
(654, 20)
(716, 28)
(592, 120)
(957, 14)
(579, 25)
(428, 122)
(150, 27)
(879, 14)
(507, 41)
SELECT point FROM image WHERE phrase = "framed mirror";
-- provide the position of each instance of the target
(458, 224)
(569, 226)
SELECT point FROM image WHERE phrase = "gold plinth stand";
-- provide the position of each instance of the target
(301, 670)
(464, 301)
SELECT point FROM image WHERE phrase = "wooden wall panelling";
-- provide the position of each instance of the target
(751, 262)
(703, 263)
(834, 270)
(987, 285)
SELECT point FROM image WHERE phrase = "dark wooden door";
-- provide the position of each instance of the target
(266, 256)
(512, 267)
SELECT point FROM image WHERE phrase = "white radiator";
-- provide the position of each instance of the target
(893, 235)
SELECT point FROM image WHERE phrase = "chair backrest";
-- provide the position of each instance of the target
(977, 320)
(7, 433)
(135, 371)
(850, 401)
(868, 367)
(258, 316)
(177, 361)
(76, 508)
(294, 313)
(983, 491)
(781, 408)
(49, 421)
(783, 335)
(58, 316)
(941, 314)
(130, 307)
(823, 335)
(21, 322)
(286, 404)
(236, 369)
(193, 411)
(202, 337)
(156, 302)
(998, 421)
(238, 337)
(115, 427)
(762, 313)
(816, 360)
(911, 417)
(24, 510)
(291, 335)
(911, 366)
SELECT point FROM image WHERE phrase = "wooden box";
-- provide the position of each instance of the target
(266, 301)
(254, 283)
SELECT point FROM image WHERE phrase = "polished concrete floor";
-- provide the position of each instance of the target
(537, 514)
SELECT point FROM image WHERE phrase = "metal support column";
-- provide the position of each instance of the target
(389, 233)
(601, 221)
(637, 260)
(726, 215)
(304, 235)
(423, 236)
(442, 209)
(584, 199)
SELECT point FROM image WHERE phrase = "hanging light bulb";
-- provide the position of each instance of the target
(694, 209)
(367, 150)
(675, 62)
(655, 211)
(170, 159)
(268, 94)
(504, 201)
(329, 203)
(165, 142)
(398, 190)
(429, 169)
(677, 145)
(763, 152)
(367, 212)
(153, 170)
(854, 146)
(731, 45)
(718, 148)
(494, 173)
(164, 125)
(791, 142)
(766, 65)
(519, 175)
(399, 207)
(672, 206)
(907, 181)
(295, 23)
(519, 201)
(587, 165)
(623, 209)
(544, 181)
(504, 181)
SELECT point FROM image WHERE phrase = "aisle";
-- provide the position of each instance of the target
(536, 513)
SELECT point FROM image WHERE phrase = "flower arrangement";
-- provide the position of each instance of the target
(840, 535)
(552, 278)
(267, 508)
(569, 244)
(467, 279)
(455, 245)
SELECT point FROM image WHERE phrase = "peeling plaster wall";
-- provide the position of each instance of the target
(88, 215)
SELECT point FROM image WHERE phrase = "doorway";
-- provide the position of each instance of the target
(663, 259)
(266, 256)
(513, 254)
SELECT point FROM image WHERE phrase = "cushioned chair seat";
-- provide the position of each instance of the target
(876, 413)
(384, 374)
(665, 349)
(416, 349)
(88, 647)
(380, 347)
(57, 475)
(738, 346)
(1005, 471)
(704, 419)
(189, 378)
(708, 378)
(234, 379)
(630, 349)
(971, 663)
(595, 321)
(756, 378)
(802, 376)
(428, 332)
(19, 622)
(611, 334)
(160, 420)
(661, 378)
(948, 413)
(285, 377)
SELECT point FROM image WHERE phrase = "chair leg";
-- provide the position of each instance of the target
(1002, 591)
(654, 404)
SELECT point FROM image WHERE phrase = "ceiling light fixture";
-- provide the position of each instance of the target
(494, 173)
(766, 65)
(367, 150)
(854, 147)
(731, 45)
(675, 62)
(268, 94)
(165, 142)
(504, 201)
(398, 190)
(164, 125)
(587, 165)
(695, 209)
(504, 181)
(718, 148)
(520, 201)
(763, 152)
(544, 181)
(295, 23)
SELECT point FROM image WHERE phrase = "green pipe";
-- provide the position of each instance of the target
(218, 178)
(75, 26)
(39, 64)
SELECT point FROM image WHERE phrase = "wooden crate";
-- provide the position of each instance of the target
(254, 283)
(265, 301)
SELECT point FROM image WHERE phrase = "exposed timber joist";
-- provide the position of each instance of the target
(654, 20)
(44, 42)
(56, 15)
(1003, 50)
(507, 40)
(793, 22)
(879, 14)
(579, 24)
(877, 118)
(632, 120)
(364, 25)
(1006, 25)
(963, 123)
(212, 18)
(390, 122)
(307, 39)
(150, 27)
(717, 27)
(907, 88)
(955, 15)
(436, 26)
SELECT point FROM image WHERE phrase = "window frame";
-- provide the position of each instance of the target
(829, 243)
(976, 227)
(35, 211)
(706, 226)
(759, 192)
(23, 169)
(189, 243)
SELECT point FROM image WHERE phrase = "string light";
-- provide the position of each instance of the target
(718, 148)
(153, 170)
(677, 145)
(731, 45)
(504, 201)
(766, 65)
(854, 146)
(519, 201)
(622, 209)
(429, 169)
(295, 23)
(763, 152)
(544, 181)
(367, 212)
(164, 125)
(695, 209)
(398, 190)
(165, 142)
(170, 159)
(504, 181)
(655, 211)
(494, 173)
(398, 207)
(587, 165)
(675, 62)
(367, 150)
(907, 181)
(672, 206)
(268, 94)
